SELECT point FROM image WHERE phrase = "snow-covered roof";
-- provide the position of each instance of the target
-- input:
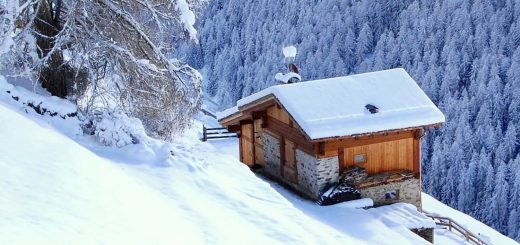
(336, 106)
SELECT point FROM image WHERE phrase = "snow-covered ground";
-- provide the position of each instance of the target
(58, 187)
(486, 233)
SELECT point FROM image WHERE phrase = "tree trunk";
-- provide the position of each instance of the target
(54, 75)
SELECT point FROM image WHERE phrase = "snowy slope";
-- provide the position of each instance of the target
(56, 191)
(486, 233)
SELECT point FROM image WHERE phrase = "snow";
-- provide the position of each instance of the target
(187, 18)
(289, 52)
(359, 203)
(486, 233)
(227, 112)
(57, 191)
(285, 77)
(355, 222)
(61, 190)
(402, 214)
(25, 96)
(336, 106)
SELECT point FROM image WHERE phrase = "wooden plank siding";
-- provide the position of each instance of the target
(247, 154)
(291, 133)
(383, 152)
(289, 168)
(259, 144)
(280, 114)
(330, 148)
(382, 157)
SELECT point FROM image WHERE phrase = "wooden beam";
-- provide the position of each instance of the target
(293, 134)
(258, 114)
(233, 128)
(321, 148)
(417, 156)
(282, 155)
(232, 119)
(341, 159)
(437, 125)
(253, 141)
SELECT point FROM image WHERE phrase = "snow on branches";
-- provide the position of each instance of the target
(112, 54)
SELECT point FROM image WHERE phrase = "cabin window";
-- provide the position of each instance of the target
(360, 158)
(392, 195)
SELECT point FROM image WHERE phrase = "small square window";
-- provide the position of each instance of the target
(360, 158)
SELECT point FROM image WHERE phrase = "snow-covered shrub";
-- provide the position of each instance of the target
(114, 128)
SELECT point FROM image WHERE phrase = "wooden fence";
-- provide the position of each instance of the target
(456, 227)
(216, 133)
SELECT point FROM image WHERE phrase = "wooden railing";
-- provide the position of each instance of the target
(216, 133)
(456, 227)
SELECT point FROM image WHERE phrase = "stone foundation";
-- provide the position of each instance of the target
(327, 170)
(271, 154)
(307, 179)
(426, 233)
(314, 174)
(407, 191)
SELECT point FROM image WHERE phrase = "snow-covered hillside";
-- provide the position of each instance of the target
(62, 188)
(56, 191)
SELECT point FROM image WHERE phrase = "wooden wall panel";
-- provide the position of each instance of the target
(280, 114)
(332, 146)
(289, 168)
(276, 126)
(384, 156)
(247, 144)
(259, 144)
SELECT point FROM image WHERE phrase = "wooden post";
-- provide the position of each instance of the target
(341, 160)
(204, 135)
(282, 155)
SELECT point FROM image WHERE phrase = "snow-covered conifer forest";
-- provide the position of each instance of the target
(465, 54)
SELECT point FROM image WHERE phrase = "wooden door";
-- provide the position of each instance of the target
(247, 144)
(259, 144)
(289, 169)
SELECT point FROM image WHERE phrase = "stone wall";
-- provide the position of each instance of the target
(314, 174)
(327, 171)
(408, 191)
(307, 179)
(271, 154)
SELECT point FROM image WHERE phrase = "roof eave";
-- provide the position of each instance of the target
(245, 111)
(435, 125)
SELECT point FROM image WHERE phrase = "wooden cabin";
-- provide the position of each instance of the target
(367, 127)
